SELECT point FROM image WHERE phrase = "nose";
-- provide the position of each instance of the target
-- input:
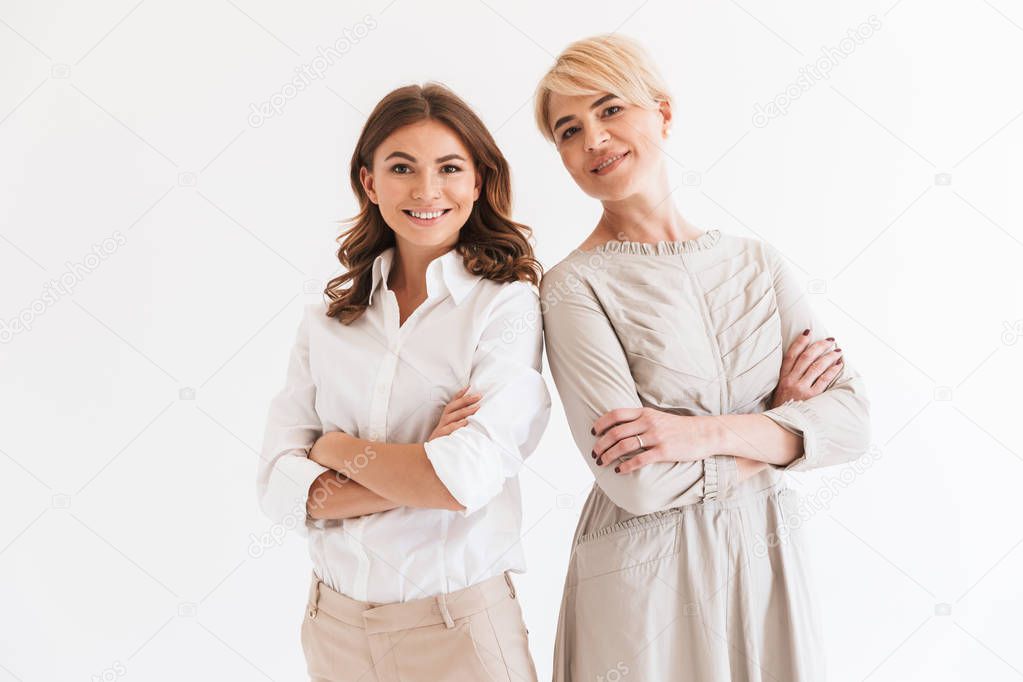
(428, 186)
(596, 137)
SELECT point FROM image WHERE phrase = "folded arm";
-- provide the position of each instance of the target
(398, 474)
(464, 469)
(592, 374)
(825, 418)
(834, 426)
(285, 474)
(335, 496)
(289, 481)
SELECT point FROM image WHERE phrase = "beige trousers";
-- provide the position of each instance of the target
(463, 636)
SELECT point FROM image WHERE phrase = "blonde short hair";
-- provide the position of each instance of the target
(603, 63)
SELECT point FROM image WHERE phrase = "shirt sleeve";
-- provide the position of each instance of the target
(835, 425)
(592, 375)
(474, 461)
(285, 472)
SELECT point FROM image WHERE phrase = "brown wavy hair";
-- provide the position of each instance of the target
(491, 244)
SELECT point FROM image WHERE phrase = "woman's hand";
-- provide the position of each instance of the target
(807, 369)
(653, 436)
(456, 413)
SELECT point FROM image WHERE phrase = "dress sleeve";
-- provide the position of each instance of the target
(835, 425)
(285, 472)
(474, 461)
(592, 375)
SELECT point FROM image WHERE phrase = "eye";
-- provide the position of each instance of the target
(612, 110)
(450, 169)
(569, 132)
(400, 169)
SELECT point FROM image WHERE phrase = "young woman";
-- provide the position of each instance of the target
(412, 508)
(693, 375)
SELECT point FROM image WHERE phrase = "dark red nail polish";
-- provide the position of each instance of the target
(838, 350)
(805, 332)
(618, 470)
(593, 454)
(592, 432)
(830, 338)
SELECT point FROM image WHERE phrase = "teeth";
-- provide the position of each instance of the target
(609, 162)
(426, 216)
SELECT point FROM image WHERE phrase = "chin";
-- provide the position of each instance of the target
(616, 193)
(610, 188)
(425, 239)
(428, 237)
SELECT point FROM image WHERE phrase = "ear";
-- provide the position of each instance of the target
(366, 178)
(664, 107)
(479, 186)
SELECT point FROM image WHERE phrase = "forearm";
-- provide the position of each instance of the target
(401, 473)
(754, 437)
(335, 496)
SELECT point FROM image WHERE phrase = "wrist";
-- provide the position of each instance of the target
(715, 436)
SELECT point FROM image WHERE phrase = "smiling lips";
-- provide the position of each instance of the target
(427, 216)
(608, 163)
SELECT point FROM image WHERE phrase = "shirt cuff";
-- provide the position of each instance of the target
(720, 474)
(299, 472)
(466, 480)
(795, 416)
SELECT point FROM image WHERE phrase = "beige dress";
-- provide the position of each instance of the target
(679, 571)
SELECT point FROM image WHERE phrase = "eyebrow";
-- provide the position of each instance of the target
(411, 158)
(565, 119)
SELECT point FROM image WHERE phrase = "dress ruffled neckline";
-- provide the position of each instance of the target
(662, 248)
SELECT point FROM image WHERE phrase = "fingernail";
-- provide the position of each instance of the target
(838, 350)
(593, 454)
(618, 470)
(592, 432)
(830, 338)
(805, 332)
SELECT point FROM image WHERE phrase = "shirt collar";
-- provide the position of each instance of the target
(444, 273)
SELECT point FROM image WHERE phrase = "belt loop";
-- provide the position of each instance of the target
(314, 597)
(511, 585)
(442, 604)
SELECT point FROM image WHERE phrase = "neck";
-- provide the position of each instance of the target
(647, 216)
(408, 273)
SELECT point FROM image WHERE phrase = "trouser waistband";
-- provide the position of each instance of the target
(444, 608)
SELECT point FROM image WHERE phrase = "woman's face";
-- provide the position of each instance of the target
(610, 147)
(425, 182)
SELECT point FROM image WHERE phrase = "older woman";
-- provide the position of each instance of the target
(693, 374)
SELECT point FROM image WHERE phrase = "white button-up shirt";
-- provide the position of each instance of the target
(377, 380)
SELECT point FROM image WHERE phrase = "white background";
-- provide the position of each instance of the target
(127, 506)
